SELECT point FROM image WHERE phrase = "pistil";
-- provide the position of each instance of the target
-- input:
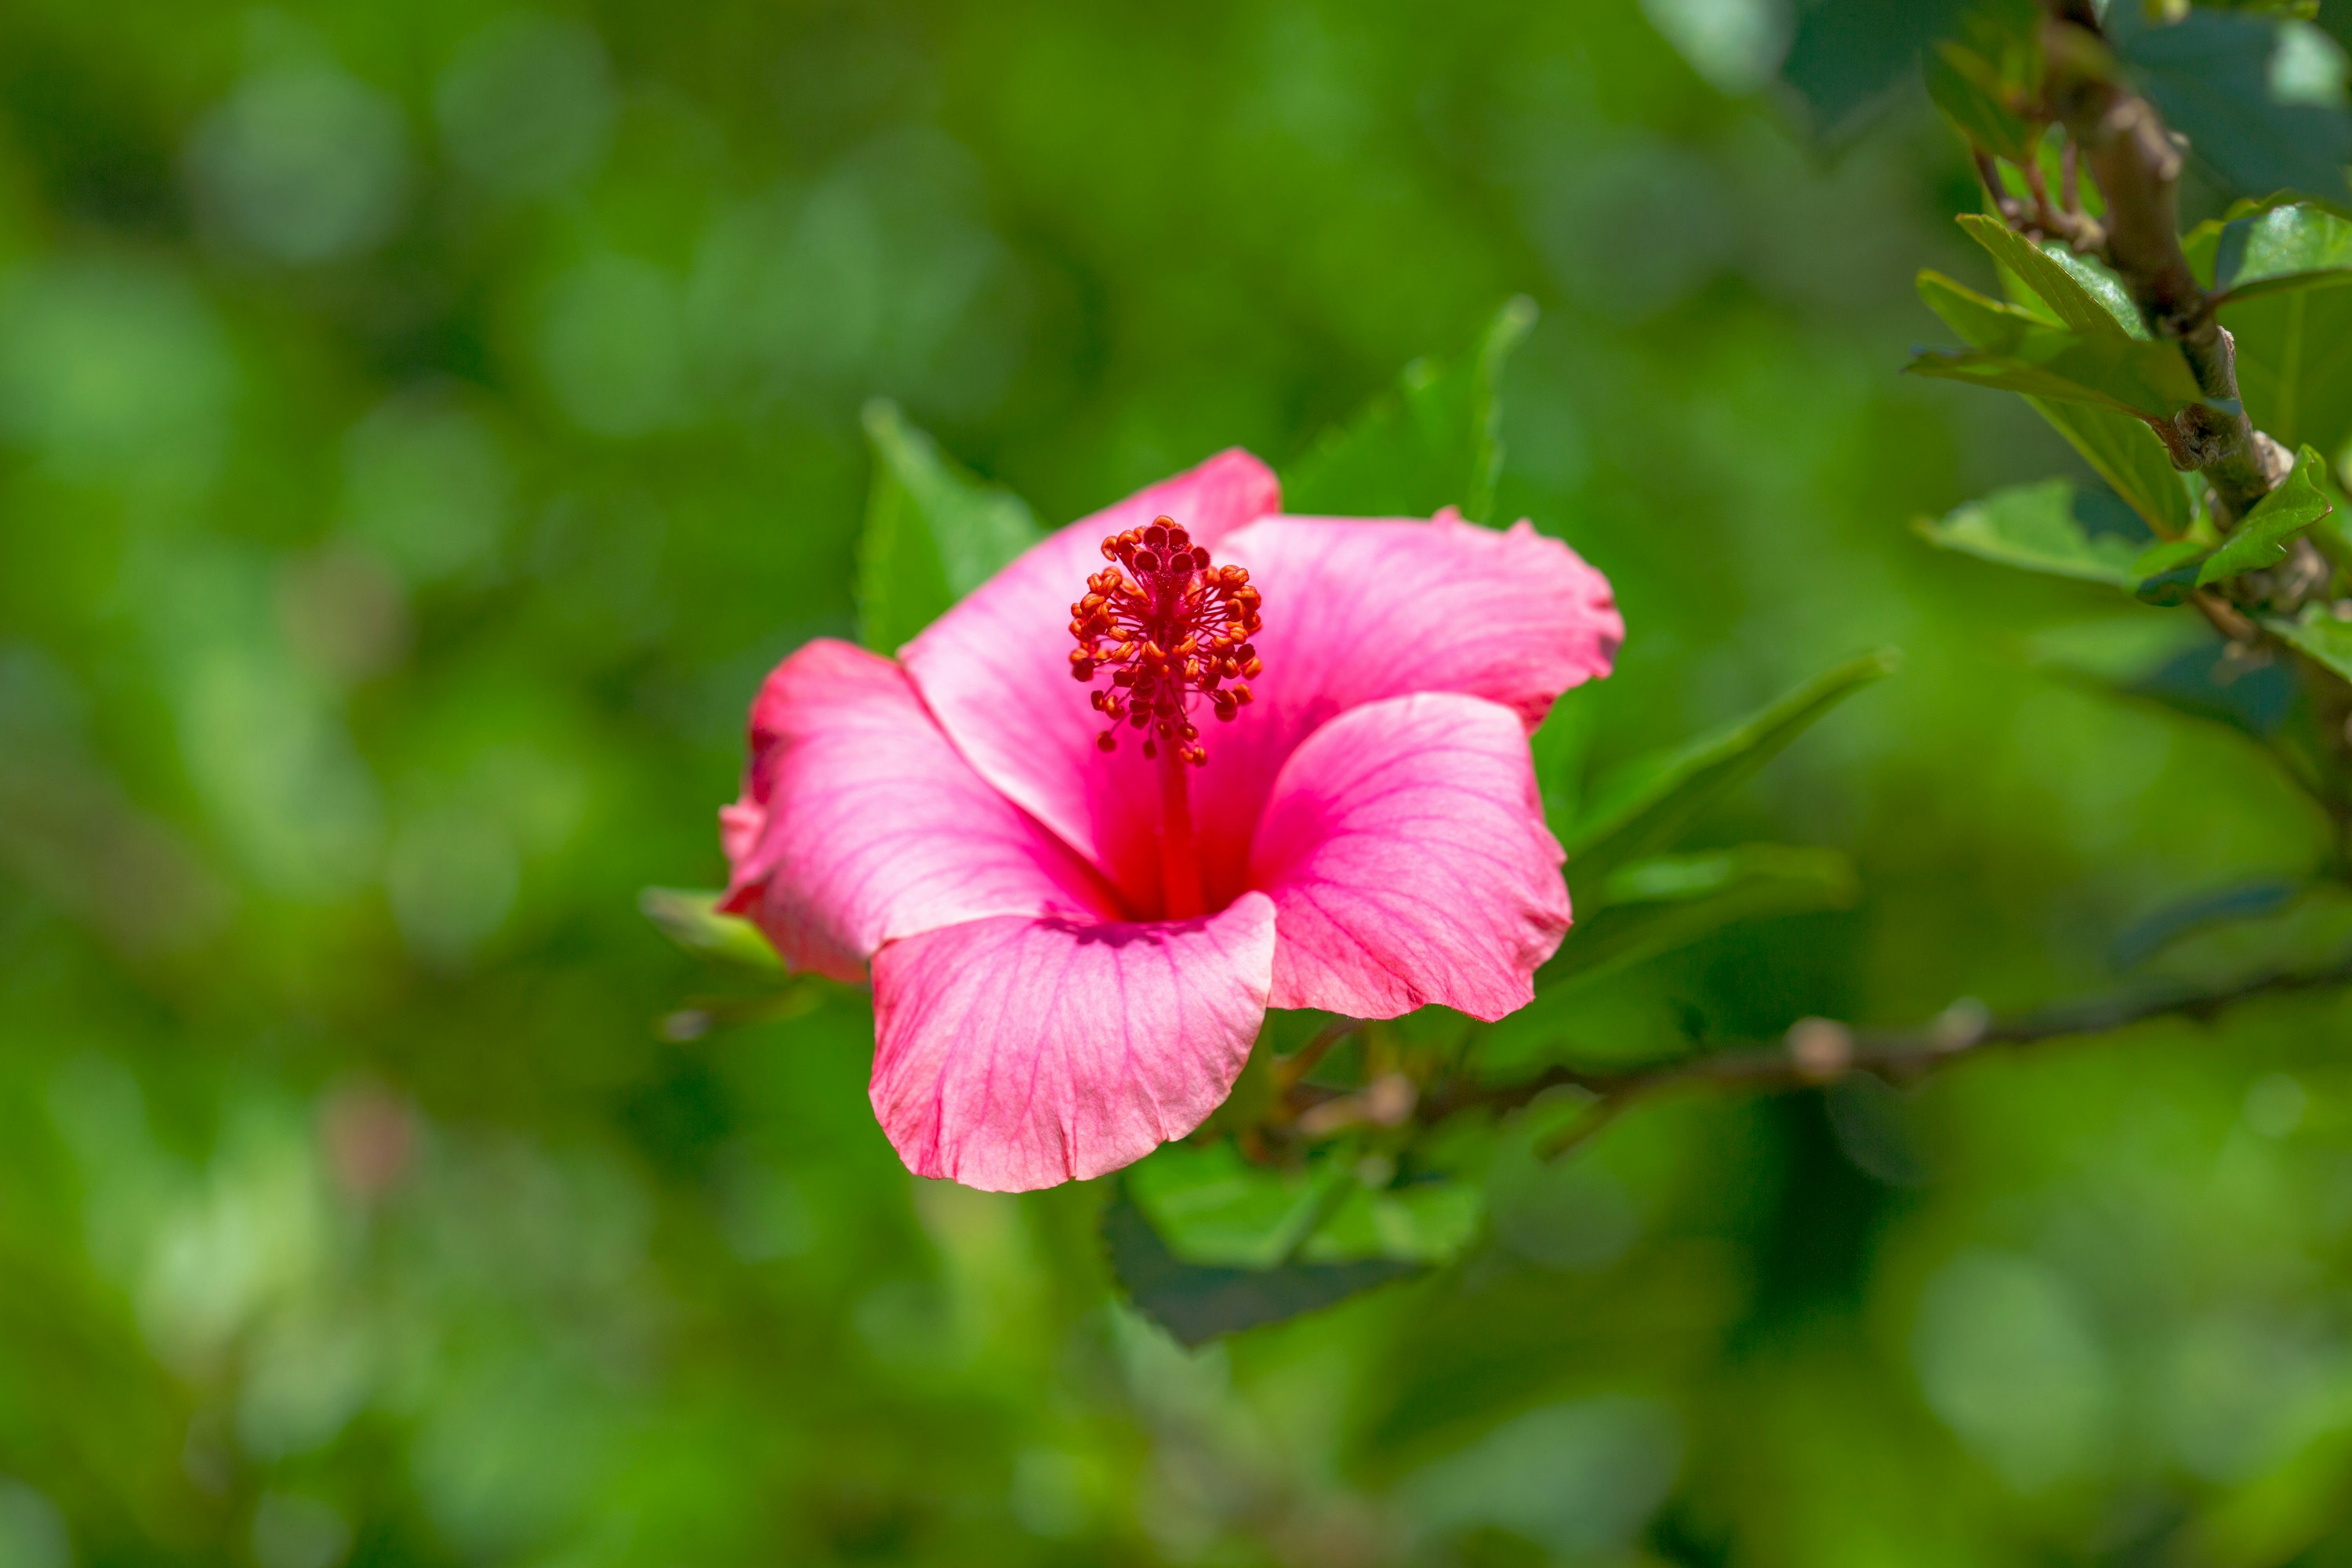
(1170, 627)
(1179, 863)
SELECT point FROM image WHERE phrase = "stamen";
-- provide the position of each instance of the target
(1170, 627)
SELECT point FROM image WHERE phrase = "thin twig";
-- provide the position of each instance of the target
(2138, 165)
(1817, 1050)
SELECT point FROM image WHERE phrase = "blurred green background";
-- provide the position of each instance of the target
(422, 425)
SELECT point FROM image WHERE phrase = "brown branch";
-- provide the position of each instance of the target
(1817, 1050)
(2137, 165)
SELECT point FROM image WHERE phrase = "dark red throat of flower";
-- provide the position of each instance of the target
(1169, 627)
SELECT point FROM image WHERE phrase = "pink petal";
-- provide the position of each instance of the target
(859, 824)
(1361, 609)
(1405, 851)
(1012, 1054)
(995, 670)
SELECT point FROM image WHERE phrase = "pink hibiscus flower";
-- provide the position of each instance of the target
(1076, 901)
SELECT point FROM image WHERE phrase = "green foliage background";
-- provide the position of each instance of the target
(422, 425)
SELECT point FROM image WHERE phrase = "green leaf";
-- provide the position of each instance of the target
(1561, 745)
(2178, 664)
(1644, 805)
(2298, 245)
(1645, 908)
(1977, 320)
(2294, 364)
(1432, 442)
(1215, 1209)
(1982, 106)
(1211, 1206)
(692, 921)
(1423, 1222)
(933, 532)
(2318, 635)
(2208, 74)
(1846, 57)
(2263, 534)
(2052, 527)
(1196, 1303)
(2081, 296)
(2210, 910)
(2120, 447)
(2130, 375)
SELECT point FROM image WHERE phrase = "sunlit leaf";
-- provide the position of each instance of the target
(1645, 908)
(2263, 535)
(1641, 807)
(2052, 527)
(2120, 447)
(1432, 442)
(2146, 378)
(1424, 1222)
(2298, 245)
(1211, 1206)
(2080, 296)
(933, 532)
(692, 921)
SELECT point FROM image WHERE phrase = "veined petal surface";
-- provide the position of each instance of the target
(860, 823)
(1014, 1053)
(1405, 851)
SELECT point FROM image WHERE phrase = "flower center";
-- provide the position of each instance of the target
(1169, 627)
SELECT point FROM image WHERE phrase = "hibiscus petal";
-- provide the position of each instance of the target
(1405, 851)
(1012, 1054)
(1357, 609)
(995, 669)
(859, 823)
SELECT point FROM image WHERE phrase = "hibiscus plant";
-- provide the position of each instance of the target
(1293, 971)
(1264, 914)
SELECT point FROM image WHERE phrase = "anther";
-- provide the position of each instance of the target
(1169, 626)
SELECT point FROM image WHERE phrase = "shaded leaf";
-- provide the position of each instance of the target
(1433, 442)
(2208, 911)
(1847, 56)
(1644, 805)
(933, 532)
(2320, 635)
(2177, 663)
(2263, 535)
(2208, 74)
(1195, 1304)
(2052, 527)
(692, 921)
(2256, 698)
(1561, 745)
(1645, 908)
(1980, 105)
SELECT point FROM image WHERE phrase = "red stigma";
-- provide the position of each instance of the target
(1167, 627)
